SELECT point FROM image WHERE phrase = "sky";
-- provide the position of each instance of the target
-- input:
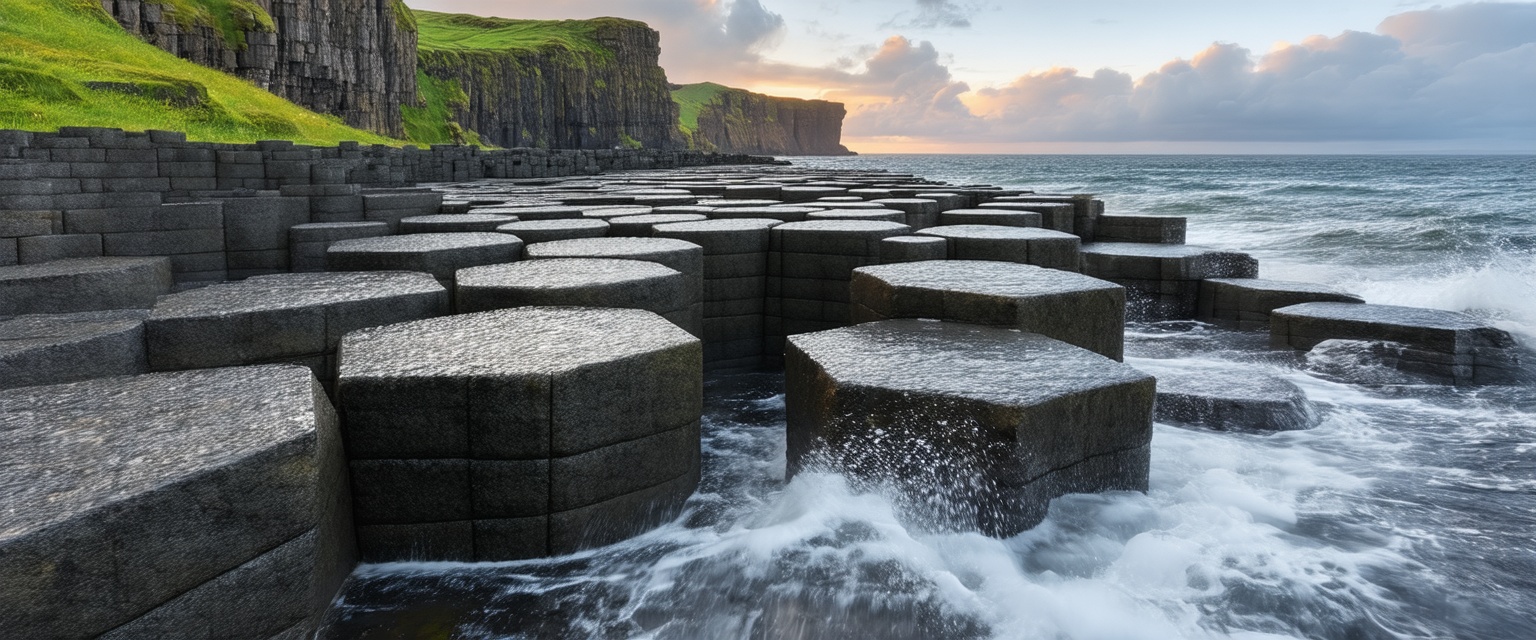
(1112, 76)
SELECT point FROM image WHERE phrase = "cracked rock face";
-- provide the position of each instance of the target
(349, 58)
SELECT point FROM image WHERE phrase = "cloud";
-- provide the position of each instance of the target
(934, 14)
(1465, 72)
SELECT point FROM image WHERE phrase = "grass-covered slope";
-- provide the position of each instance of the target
(460, 32)
(691, 99)
(67, 63)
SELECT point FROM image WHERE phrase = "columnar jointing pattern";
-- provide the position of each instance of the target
(735, 285)
(149, 506)
(809, 267)
(979, 427)
(518, 433)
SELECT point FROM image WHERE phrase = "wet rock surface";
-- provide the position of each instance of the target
(150, 488)
(1247, 302)
(580, 282)
(1074, 308)
(518, 433)
(1451, 347)
(981, 426)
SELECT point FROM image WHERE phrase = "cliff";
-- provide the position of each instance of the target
(355, 59)
(567, 84)
(718, 118)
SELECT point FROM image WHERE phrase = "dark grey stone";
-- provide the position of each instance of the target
(1247, 302)
(1024, 245)
(684, 257)
(35, 249)
(608, 399)
(897, 249)
(875, 215)
(1162, 281)
(1248, 400)
(1055, 216)
(1453, 347)
(1074, 308)
(921, 213)
(534, 231)
(581, 282)
(83, 284)
(440, 254)
(282, 317)
(252, 224)
(722, 237)
(974, 424)
(451, 223)
(1153, 229)
(641, 226)
(781, 213)
(57, 348)
(125, 494)
(993, 217)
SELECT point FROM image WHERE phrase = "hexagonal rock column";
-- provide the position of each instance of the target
(782, 214)
(1453, 347)
(735, 284)
(526, 214)
(580, 282)
(83, 284)
(684, 257)
(873, 215)
(1153, 229)
(979, 426)
(1247, 400)
(57, 348)
(294, 317)
(533, 231)
(307, 243)
(440, 254)
(1085, 210)
(152, 506)
(453, 223)
(1055, 216)
(809, 267)
(640, 226)
(1162, 281)
(993, 217)
(1071, 307)
(518, 433)
(1024, 245)
(896, 249)
(921, 213)
(1247, 302)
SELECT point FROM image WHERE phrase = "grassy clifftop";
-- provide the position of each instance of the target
(692, 98)
(461, 32)
(67, 63)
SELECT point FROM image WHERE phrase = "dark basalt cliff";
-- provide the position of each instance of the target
(355, 59)
(572, 84)
(738, 121)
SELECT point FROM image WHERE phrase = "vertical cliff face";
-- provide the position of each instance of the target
(355, 59)
(568, 84)
(718, 118)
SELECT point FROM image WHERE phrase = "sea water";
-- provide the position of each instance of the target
(1407, 513)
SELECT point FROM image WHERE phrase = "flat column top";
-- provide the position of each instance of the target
(1147, 250)
(1385, 315)
(293, 290)
(31, 331)
(66, 449)
(424, 242)
(1004, 279)
(998, 232)
(75, 266)
(1258, 284)
(561, 273)
(608, 247)
(999, 366)
(510, 342)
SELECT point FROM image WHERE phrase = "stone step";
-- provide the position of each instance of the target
(1454, 348)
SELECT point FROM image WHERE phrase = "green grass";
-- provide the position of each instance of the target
(691, 99)
(460, 32)
(231, 18)
(433, 123)
(67, 63)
